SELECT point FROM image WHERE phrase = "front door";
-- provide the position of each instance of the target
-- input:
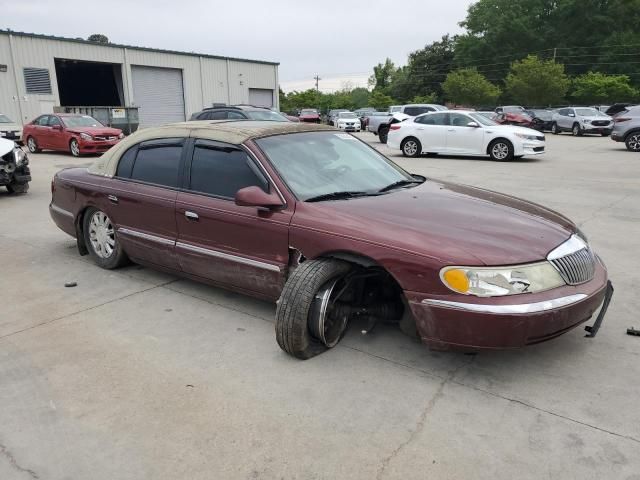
(141, 200)
(463, 139)
(244, 248)
(56, 134)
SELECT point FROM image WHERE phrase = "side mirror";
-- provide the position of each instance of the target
(256, 197)
(473, 124)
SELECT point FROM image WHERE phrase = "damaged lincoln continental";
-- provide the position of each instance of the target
(316, 220)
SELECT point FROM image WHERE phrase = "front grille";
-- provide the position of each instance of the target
(577, 267)
(538, 149)
(104, 137)
(600, 123)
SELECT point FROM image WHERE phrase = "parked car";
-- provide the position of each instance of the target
(9, 129)
(368, 115)
(626, 128)
(601, 108)
(67, 132)
(463, 133)
(514, 118)
(362, 114)
(331, 116)
(333, 231)
(239, 112)
(348, 121)
(309, 115)
(381, 126)
(541, 119)
(581, 120)
(14, 167)
(616, 108)
(394, 109)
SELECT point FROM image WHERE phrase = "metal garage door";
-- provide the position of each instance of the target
(158, 94)
(261, 97)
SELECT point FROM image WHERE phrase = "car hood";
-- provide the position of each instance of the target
(6, 146)
(95, 130)
(455, 224)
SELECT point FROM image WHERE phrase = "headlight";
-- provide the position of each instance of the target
(584, 120)
(86, 136)
(20, 157)
(525, 136)
(501, 281)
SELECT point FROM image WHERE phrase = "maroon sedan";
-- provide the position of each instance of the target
(335, 232)
(309, 116)
(77, 134)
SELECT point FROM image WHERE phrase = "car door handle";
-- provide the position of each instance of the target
(112, 198)
(451, 130)
(420, 128)
(191, 215)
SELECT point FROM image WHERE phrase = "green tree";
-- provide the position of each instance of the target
(535, 82)
(359, 97)
(427, 68)
(594, 88)
(380, 101)
(98, 37)
(431, 98)
(382, 75)
(468, 87)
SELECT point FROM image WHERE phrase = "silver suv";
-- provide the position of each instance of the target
(626, 128)
(580, 120)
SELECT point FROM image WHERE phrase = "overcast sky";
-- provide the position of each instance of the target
(341, 41)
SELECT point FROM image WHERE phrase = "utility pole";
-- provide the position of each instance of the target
(317, 79)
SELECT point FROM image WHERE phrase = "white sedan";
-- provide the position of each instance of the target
(348, 121)
(463, 133)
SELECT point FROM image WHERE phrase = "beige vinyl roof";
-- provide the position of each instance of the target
(233, 132)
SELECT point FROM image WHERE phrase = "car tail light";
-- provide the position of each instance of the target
(621, 119)
(395, 126)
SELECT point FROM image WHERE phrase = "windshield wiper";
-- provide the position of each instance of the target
(400, 183)
(339, 196)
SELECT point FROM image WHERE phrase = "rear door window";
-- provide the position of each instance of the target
(156, 162)
(43, 121)
(221, 170)
(435, 119)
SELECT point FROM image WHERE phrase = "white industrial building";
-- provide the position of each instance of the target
(39, 73)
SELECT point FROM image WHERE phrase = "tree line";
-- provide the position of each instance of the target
(535, 53)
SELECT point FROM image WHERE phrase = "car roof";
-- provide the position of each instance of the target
(234, 132)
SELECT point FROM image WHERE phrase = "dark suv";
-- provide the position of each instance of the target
(238, 112)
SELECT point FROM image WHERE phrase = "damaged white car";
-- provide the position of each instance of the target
(14, 167)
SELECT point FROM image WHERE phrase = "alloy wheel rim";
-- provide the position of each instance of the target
(410, 148)
(101, 235)
(74, 148)
(634, 142)
(576, 130)
(500, 151)
(326, 322)
(31, 144)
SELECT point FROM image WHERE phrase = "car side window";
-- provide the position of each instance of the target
(43, 121)
(125, 165)
(222, 171)
(158, 162)
(458, 120)
(236, 116)
(436, 119)
(54, 121)
(219, 115)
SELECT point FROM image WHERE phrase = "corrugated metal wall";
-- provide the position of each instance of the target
(206, 80)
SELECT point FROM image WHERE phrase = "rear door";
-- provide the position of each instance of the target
(431, 130)
(463, 139)
(244, 248)
(142, 200)
(41, 131)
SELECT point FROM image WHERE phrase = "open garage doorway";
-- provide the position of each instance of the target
(89, 84)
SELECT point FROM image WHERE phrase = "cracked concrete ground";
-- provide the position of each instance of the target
(135, 374)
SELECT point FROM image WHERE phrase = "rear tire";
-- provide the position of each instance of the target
(32, 145)
(501, 150)
(297, 304)
(383, 134)
(18, 187)
(632, 142)
(101, 240)
(411, 147)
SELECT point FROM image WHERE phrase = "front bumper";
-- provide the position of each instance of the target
(349, 128)
(459, 322)
(531, 148)
(96, 146)
(597, 129)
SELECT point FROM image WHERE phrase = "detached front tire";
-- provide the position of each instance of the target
(308, 319)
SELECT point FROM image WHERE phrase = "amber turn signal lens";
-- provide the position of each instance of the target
(457, 280)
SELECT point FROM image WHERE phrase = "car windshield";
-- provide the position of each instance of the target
(5, 119)
(308, 112)
(513, 109)
(266, 115)
(542, 114)
(81, 121)
(347, 115)
(589, 112)
(320, 163)
(482, 119)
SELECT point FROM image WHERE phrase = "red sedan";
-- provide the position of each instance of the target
(336, 233)
(77, 134)
(309, 115)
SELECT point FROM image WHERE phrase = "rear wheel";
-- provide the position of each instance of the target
(576, 131)
(501, 150)
(383, 134)
(554, 128)
(32, 145)
(18, 187)
(411, 147)
(632, 142)
(74, 148)
(308, 317)
(100, 238)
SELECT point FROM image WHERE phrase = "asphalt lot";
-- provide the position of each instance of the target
(135, 374)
